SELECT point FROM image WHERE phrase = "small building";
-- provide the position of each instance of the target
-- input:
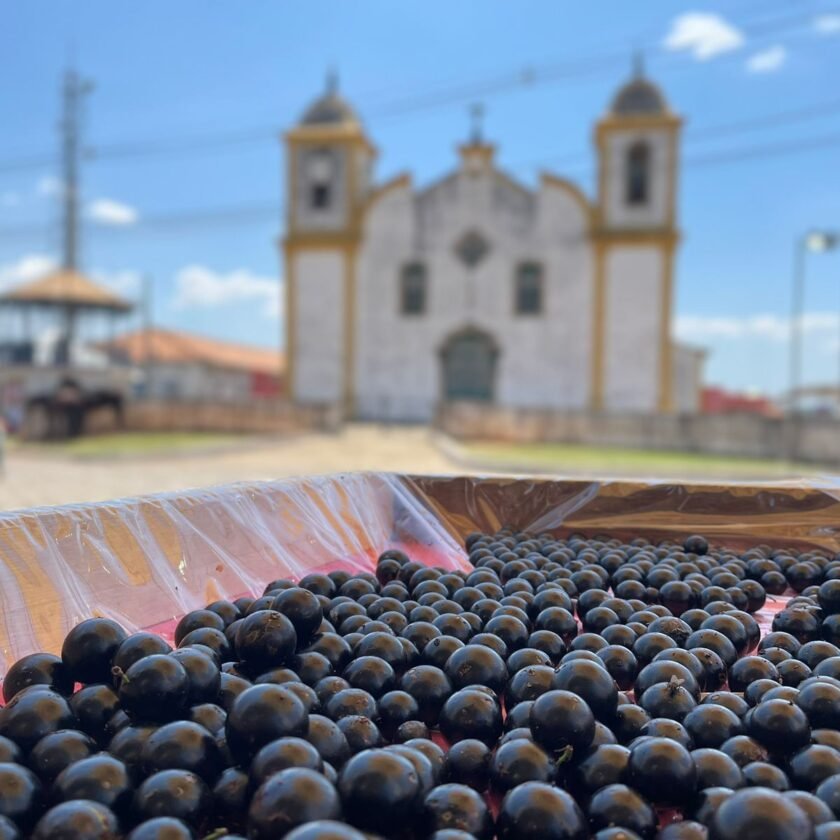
(182, 367)
(479, 287)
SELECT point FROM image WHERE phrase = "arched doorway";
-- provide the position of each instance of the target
(468, 366)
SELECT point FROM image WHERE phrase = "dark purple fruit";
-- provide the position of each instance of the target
(289, 799)
(380, 792)
(619, 805)
(89, 649)
(457, 807)
(264, 640)
(100, 778)
(538, 810)
(56, 751)
(471, 713)
(262, 714)
(561, 719)
(21, 796)
(182, 745)
(77, 820)
(662, 771)
(34, 713)
(759, 813)
(155, 689)
(174, 793)
(37, 669)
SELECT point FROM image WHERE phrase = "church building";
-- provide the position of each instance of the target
(478, 287)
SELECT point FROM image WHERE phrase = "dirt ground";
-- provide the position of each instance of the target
(38, 478)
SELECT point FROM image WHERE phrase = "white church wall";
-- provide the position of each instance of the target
(319, 326)
(633, 278)
(543, 360)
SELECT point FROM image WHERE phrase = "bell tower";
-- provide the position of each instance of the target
(328, 172)
(635, 241)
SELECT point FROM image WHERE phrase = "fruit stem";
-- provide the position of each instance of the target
(120, 675)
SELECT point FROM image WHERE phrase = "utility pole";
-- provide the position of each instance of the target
(73, 92)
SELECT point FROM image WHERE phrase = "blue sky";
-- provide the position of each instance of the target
(184, 183)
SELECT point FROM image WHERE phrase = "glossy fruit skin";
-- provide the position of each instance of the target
(380, 791)
(21, 795)
(457, 807)
(94, 706)
(468, 763)
(99, 778)
(711, 725)
(662, 771)
(821, 704)
(77, 820)
(605, 765)
(764, 774)
(683, 830)
(174, 793)
(155, 689)
(537, 810)
(361, 733)
(328, 739)
(780, 726)
(812, 765)
(283, 754)
(205, 678)
(430, 687)
(325, 830)
(289, 799)
(476, 665)
(33, 713)
(471, 713)
(561, 719)
(351, 701)
(815, 809)
(89, 649)
(303, 609)
(37, 669)
(517, 762)
(161, 828)
(591, 682)
(264, 640)
(56, 751)
(262, 714)
(619, 805)
(759, 812)
(716, 769)
(182, 745)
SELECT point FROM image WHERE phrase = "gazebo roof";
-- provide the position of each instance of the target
(66, 287)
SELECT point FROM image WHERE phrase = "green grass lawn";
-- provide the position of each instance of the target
(129, 444)
(569, 458)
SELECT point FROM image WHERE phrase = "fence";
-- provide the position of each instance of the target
(812, 439)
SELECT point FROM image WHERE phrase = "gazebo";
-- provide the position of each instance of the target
(51, 374)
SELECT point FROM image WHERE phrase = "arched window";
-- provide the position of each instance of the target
(413, 289)
(637, 173)
(528, 293)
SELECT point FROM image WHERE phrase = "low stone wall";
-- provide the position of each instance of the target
(815, 440)
(256, 417)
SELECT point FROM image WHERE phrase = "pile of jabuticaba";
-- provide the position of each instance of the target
(557, 688)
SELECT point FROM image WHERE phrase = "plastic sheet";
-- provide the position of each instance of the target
(146, 561)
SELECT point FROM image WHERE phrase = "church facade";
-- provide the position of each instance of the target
(478, 287)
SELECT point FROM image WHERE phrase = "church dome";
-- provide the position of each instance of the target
(330, 108)
(639, 97)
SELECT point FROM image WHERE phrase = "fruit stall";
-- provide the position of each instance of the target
(375, 655)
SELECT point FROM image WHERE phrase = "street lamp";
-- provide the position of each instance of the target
(815, 242)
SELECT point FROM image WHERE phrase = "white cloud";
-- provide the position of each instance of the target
(123, 281)
(48, 185)
(702, 34)
(828, 24)
(106, 211)
(764, 326)
(27, 267)
(767, 60)
(10, 199)
(198, 286)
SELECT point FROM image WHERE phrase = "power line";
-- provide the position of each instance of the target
(584, 67)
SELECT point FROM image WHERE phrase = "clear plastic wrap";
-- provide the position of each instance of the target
(146, 561)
